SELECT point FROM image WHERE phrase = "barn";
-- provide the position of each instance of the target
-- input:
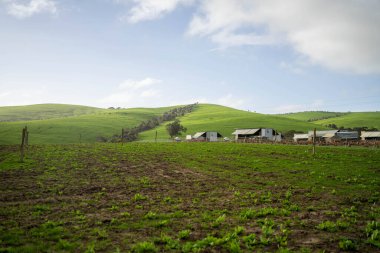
(207, 136)
(257, 133)
(330, 135)
(300, 137)
(373, 135)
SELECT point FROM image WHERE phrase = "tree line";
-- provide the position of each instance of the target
(131, 133)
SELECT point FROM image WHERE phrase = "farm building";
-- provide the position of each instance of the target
(331, 135)
(370, 135)
(207, 136)
(257, 133)
(300, 137)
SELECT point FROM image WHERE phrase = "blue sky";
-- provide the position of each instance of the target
(266, 56)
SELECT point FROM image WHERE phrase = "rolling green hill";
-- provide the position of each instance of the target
(341, 119)
(312, 115)
(54, 123)
(354, 119)
(207, 117)
(74, 129)
(43, 111)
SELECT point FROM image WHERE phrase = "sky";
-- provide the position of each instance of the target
(267, 56)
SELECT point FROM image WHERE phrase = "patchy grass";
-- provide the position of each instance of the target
(189, 197)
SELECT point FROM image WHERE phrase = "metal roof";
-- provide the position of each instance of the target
(245, 131)
(300, 136)
(370, 134)
(199, 134)
(323, 133)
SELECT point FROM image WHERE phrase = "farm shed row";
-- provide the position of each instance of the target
(331, 135)
(240, 134)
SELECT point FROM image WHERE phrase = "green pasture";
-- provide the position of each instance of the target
(354, 119)
(189, 197)
(43, 111)
(311, 115)
(77, 129)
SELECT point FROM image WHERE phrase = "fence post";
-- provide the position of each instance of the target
(122, 136)
(155, 138)
(314, 137)
(22, 147)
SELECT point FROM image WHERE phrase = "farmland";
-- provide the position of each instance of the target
(209, 117)
(189, 197)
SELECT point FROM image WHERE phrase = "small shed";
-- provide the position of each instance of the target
(370, 135)
(300, 137)
(207, 136)
(322, 135)
(347, 135)
(257, 133)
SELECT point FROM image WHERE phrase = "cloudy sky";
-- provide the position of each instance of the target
(268, 56)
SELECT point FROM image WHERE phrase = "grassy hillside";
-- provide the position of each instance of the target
(75, 129)
(225, 120)
(43, 111)
(354, 119)
(312, 115)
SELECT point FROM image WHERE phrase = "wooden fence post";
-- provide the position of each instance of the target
(22, 147)
(122, 136)
(314, 137)
(155, 138)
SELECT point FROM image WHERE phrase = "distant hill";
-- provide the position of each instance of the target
(341, 119)
(43, 111)
(311, 115)
(56, 123)
(87, 127)
(354, 119)
(223, 119)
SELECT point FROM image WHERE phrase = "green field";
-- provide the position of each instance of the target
(355, 119)
(225, 120)
(43, 111)
(189, 197)
(348, 119)
(66, 124)
(75, 129)
(312, 115)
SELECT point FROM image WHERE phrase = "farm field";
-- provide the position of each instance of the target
(189, 197)
(209, 117)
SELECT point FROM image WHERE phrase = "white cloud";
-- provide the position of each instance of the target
(151, 9)
(22, 9)
(134, 93)
(339, 34)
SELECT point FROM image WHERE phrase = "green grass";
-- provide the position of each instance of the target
(354, 119)
(208, 117)
(75, 129)
(311, 115)
(43, 111)
(189, 197)
(348, 119)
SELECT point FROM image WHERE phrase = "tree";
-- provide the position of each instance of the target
(175, 128)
